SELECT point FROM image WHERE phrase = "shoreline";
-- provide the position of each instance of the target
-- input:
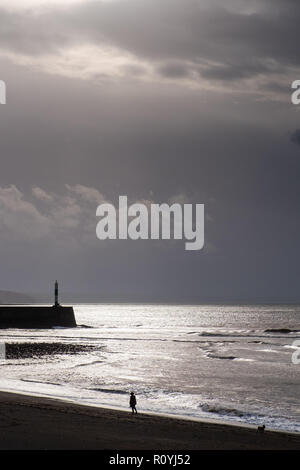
(192, 418)
(34, 422)
(204, 420)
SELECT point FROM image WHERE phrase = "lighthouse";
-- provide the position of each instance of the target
(56, 304)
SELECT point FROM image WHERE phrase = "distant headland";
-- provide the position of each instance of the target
(11, 297)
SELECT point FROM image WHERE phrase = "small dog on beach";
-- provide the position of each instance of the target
(261, 429)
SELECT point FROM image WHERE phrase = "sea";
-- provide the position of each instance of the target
(218, 362)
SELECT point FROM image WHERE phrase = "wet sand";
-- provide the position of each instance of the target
(34, 423)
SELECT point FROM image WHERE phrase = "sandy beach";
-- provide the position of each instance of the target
(34, 423)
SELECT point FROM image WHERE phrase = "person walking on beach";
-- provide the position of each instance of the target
(132, 402)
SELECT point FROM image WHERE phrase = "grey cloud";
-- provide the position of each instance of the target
(134, 70)
(31, 33)
(149, 142)
(48, 215)
(295, 137)
(190, 29)
(278, 87)
(239, 70)
(20, 219)
(238, 44)
(174, 70)
(87, 194)
(42, 195)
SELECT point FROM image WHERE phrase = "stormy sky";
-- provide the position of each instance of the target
(162, 101)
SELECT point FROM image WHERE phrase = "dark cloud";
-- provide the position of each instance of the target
(174, 70)
(65, 142)
(239, 70)
(295, 137)
(30, 33)
(134, 70)
(223, 42)
(279, 87)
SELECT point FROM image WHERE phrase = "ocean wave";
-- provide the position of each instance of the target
(281, 330)
(244, 359)
(84, 364)
(109, 390)
(40, 382)
(226, 411)
(254, 334)
(270, 350)
(226, 335)
(215, 356)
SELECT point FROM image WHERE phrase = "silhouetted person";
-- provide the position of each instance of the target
(132, 402)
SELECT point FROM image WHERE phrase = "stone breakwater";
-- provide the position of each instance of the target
(12, 316)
